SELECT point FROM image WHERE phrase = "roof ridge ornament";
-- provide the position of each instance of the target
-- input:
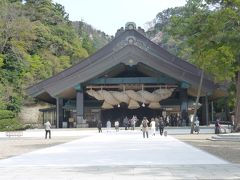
(130, 26)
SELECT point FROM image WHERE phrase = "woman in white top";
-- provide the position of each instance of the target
(153, 126)
(108, 126)
(116, 124)
(47, 129)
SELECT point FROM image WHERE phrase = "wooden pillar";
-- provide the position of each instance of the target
(55, 118)
(207, 110)
(80, 107)
(59, 112)
(212, 111)
(43, 118)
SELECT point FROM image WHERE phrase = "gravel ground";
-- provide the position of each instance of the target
(15, 146)
(227, 150)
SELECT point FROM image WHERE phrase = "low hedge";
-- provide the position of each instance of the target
(6, 114)
(10, 125)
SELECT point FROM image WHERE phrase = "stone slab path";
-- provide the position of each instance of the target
(116, 156)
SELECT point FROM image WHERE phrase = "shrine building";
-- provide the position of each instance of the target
(129, 76)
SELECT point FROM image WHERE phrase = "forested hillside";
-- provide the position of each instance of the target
(91, 39)
(37, 40)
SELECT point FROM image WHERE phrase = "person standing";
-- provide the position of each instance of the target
(161, 126)
(153, 126)
(108, 126)
(233, 121)
(99, 126)
(133, 122)
(116, 124)
(125, 122)
(167, 121)
(197, 125)
(217, 126)
(47, 129)
(145, 127)
(156, 123)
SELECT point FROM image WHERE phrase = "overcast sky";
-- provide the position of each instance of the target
(110, 15)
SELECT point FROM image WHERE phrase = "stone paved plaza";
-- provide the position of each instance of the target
(122, 155)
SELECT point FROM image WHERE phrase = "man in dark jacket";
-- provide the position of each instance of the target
(99, 126)
(145, 127)
(217, 126)
(161, 126)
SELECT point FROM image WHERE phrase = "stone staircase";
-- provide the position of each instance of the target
(226, 137)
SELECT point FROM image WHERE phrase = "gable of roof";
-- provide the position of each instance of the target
(130, 47)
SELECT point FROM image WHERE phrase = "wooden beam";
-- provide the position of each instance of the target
(130, 86)
(132, 80)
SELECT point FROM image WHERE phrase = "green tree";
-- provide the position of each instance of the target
(16, 36)
(213, 35)
(36, 41)
(55, 38)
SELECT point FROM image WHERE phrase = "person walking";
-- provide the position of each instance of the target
(161, 126)
(47, 130)
(145, 127)
(153, 126)
(99, 126)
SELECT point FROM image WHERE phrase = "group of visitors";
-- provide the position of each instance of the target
(126, 122)
(130, 123)
(176, 119)
(108, 125)
(154, 124)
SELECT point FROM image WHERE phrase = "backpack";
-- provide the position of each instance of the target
(161, 124)
(165, 133)
(144, 123)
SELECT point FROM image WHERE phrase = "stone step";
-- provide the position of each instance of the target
(229, 135)
(225, 137)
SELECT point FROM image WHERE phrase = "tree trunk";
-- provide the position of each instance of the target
(197, 100)
(237, 112)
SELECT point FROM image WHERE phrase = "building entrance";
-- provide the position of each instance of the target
(122, 112)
